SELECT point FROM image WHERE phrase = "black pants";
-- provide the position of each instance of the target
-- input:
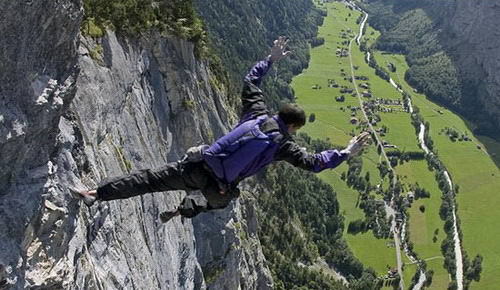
(185, 175)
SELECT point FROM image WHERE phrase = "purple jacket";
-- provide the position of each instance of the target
(284, 148)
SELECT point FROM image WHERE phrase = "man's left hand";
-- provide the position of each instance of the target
(356, 144)
(278, 51)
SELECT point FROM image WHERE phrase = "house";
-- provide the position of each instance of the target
(366, 94)
(411, 196)
(392, 273)
(362, 78)
(353, 120)
(340, 99)
(388, 145)
(365, 86)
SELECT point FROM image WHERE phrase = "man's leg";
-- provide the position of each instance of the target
(166, 178)
(173, 176)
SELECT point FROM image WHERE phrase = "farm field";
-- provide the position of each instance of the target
(471, 168)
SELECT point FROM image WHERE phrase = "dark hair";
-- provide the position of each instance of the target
(292, 114)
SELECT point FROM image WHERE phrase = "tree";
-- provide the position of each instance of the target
(312, 117)
(474, 271)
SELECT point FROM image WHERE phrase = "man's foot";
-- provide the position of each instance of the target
(168, 215)
(89, 197)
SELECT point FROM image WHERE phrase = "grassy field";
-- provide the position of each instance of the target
(423, 225)
(476, 174)
(332, 123)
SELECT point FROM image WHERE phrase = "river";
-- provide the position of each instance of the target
(456, 238)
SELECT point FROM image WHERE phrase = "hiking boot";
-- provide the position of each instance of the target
(88, 199)
(168, 215)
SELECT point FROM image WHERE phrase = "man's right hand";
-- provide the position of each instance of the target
(278, 50)
(356, 144)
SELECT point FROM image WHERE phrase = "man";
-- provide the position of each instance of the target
(216, 170)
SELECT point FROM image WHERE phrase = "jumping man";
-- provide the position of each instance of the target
(256, 141)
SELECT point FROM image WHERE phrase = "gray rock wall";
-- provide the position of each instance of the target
(71, 115)
(476, 47)
(38, 71)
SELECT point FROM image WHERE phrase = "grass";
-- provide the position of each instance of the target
(372, 252)
(422, 226)
(333, 124)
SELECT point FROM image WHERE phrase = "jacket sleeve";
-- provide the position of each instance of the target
(292, 153)
(252, 97)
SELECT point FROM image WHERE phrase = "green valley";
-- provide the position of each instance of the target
(326, 90)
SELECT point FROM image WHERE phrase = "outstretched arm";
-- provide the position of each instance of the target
(252, 97)
(258, 71)
(292, 153)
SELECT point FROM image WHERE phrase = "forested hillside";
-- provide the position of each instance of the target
(446, 64)
(242, 32)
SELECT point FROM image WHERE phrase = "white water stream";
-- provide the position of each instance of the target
(456, 237)
(420, 282)
(361, 27)
(393, 83)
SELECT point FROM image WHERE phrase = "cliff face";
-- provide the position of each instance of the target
(474, 45)
(74, 111)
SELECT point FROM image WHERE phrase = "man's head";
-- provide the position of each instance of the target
(293, 116)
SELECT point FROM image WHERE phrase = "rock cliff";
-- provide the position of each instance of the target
(475, 46)
(74, 110)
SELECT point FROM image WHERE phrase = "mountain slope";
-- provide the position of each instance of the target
(450, 46)
(76, 109)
